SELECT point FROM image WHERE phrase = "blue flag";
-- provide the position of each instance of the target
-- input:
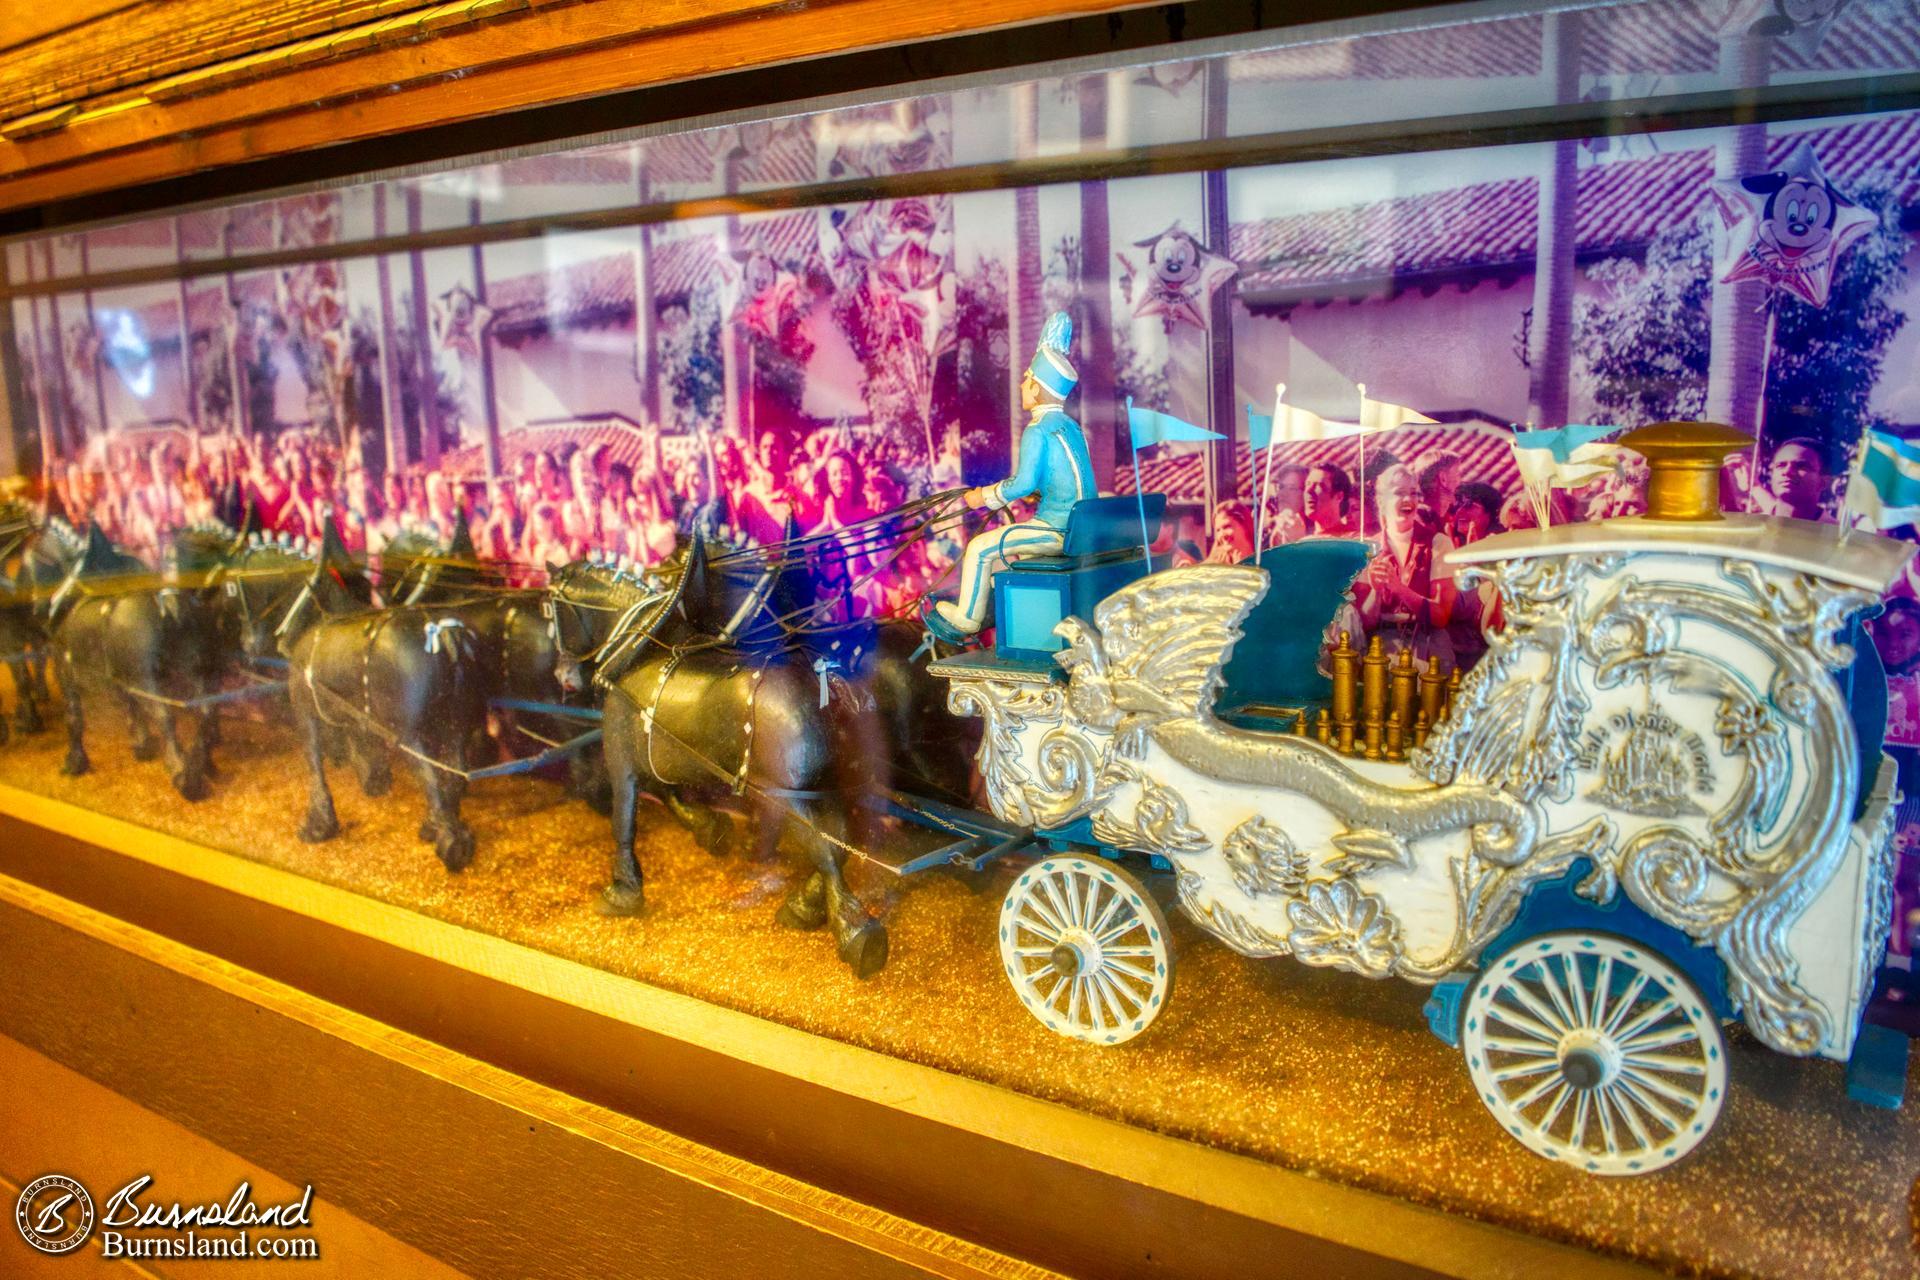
(1560, 441)
(1888, 486)
(1150, 426)
(1259, 428)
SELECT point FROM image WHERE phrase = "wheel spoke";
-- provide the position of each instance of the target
(1667, 1039)
(1576, 994)
(1538, 1092)
(1115, 997)
(1520, 1069)
(1562, 1004)
(1689, 1103)
(1602, 979)
(1627, 1001)
(1128, 922)
(1665, 1062)
(1114, 904)
(1529, 1048)
(1033, 951)
(1131, 970)
(1654, 1107)
(1628, 1112)
(1559, 1105)
(1603, 1112)
(1540, 1031)
(1073, 1000)
(1057, 899)
(1518, 990)
(1647, 1019)
(1052, 928)
(1139, 952)
(1582, 1107)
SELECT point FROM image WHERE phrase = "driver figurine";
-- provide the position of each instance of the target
(1054, 463)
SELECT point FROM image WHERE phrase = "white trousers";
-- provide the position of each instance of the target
(988, 552)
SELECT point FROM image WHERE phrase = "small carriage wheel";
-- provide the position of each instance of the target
(1594, 1050)
(1085, 947)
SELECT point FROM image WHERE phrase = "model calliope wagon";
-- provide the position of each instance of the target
(1656, 806)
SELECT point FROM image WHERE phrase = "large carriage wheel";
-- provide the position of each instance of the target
(1085, 947)
(1594, 1050)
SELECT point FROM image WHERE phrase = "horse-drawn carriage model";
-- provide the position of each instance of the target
(1657, 805)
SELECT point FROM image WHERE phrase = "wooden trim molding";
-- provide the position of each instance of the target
(446, 64)
(884, 1141)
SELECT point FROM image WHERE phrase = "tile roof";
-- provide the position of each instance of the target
(1620, 206)
(1485, 454)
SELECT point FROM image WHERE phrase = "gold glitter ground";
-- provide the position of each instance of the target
(1306, 1068)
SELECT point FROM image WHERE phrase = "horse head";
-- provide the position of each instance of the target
(602, 613)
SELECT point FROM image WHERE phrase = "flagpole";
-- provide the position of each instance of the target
(1854, 470)
(1139, 490)
(1266, 481)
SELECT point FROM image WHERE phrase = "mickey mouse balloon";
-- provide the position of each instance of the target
(1788, 227)
(1180, 277)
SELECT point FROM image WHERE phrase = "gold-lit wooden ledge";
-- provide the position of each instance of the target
(378, 1019)
(429, 65)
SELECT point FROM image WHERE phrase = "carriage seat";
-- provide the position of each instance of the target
(1033, 594)
(1274, 674)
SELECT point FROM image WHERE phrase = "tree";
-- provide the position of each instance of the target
(1644, 344)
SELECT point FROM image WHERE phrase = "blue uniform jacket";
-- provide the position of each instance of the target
(1053, 463)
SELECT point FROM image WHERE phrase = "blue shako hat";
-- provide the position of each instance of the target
(1051, 367)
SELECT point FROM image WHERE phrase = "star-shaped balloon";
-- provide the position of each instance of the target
(1788, 227)
(1179, 279)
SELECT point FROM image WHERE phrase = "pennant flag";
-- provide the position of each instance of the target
(1259, 428)
(1560, 441)
(1150, 426)
(1887, 487)
(1378, 415)
(1562, 458)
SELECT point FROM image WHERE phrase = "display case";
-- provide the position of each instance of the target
(782, 640)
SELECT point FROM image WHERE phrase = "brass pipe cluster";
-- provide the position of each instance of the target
(1382, 708)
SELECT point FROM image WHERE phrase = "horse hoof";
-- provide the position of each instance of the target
(75, 764)
(144, 751)
(318, 828)
(191, 786)
(455, 849)
(796, 914)
(865, 949)
(429, 833)
(621, 900)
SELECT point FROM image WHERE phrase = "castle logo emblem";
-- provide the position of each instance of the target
(1648, 763)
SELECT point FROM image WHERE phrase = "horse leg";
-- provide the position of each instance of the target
(371, 765)
(862, 939)
(321, 823)
(706, 824)
(146, 744)
(626, 896)
(453, 841)
(183, 767)
(26, 715)
(76, 762)
(587, 778)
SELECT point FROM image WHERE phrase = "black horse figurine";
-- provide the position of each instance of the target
(34, 559)
(418, 678)
(155, 642)
(712, 693)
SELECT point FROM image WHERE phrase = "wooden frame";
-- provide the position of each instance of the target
(909, 1163)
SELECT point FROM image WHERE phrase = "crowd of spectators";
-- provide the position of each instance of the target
(547, 506)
